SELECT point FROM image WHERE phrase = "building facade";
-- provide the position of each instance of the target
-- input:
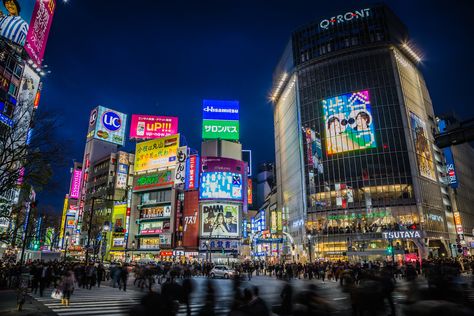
(354, 130)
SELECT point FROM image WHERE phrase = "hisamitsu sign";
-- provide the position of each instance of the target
(408, 234)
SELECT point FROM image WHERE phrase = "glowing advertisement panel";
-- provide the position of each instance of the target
(348, 123)
(15, 19)
(75, 184)
(151, 127)
(156, 153)
(220, 220)
(221, 185)
(220, 110)
(215, 129)
(192, 172)
(110, 125)
(38, 32)
(422, 147)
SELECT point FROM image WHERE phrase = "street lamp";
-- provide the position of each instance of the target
(105, 229)
(309, 247)
(65, 249)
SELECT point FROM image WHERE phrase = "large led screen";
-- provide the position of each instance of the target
(220, 220)
(220, 185)
(348, 122)
(422, 148)
(218, 129)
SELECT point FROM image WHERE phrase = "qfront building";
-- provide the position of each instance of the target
(354, 126)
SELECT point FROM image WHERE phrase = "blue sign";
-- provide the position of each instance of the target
(450, 168)
(111, 121)
(220, 110)
(220, 185)
(6, 120)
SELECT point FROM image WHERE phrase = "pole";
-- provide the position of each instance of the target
(309, 246)
(393, 252)
(25, 238)
(65, 249)
(89, 231)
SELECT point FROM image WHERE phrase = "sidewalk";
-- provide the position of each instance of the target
(31, 306)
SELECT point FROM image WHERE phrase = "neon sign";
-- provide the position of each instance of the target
(342, 18)
(402, 234)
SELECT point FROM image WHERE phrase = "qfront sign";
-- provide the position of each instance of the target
(409, 234)
(342, 18)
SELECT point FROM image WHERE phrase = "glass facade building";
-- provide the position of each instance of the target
(354, 140)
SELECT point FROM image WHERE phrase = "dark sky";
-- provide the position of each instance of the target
(163, 57)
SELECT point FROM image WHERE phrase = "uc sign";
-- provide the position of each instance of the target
(111, 121)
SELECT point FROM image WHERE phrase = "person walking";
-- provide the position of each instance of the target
(100, 274)
(123, 278)
(67, 287)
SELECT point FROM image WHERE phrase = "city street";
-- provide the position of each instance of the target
(107, 300)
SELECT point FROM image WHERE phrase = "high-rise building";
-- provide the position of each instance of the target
(265, 182)
(354, 129)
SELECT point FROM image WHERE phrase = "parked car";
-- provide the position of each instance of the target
(222, 272)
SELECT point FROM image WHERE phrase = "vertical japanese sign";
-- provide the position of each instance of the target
(192, 167)
(180, 173)
(38, 31)
(75, 184)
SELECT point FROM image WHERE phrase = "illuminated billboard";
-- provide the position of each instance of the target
(156, 153)
(107, 125)
(220, 185)
(422, 148)
(249, 191)
(220, 110)
(75, 184)
(220, 220)
(151, 127)
(313, 150)
(215, 129)
(192, 172)
(38, 31)
(348, 122)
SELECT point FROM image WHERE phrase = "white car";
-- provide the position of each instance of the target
(222, 272)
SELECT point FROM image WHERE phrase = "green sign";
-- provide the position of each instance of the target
(359, 215)
(158, 179)
(215, 129)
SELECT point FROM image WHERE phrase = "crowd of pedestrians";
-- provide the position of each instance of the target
(369, 285)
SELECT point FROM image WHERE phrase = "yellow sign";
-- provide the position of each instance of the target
(156, 153)
(63, 218)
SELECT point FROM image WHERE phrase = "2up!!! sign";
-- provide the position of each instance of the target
(220, 120)
(107, 125)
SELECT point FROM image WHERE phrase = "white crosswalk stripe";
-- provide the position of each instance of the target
(107, 301)
(98, 301)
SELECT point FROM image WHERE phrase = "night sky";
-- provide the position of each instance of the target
(163, 57)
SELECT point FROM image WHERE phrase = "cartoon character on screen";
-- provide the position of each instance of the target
(209, 222)
(229, 223)
(361, 134)
(13, 26)
(337, 140)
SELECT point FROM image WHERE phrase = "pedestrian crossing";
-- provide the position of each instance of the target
(107, 301)
(97, 301)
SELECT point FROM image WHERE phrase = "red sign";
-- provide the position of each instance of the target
(151, 231)
(249, 192)
(191, 219)
(166, 253)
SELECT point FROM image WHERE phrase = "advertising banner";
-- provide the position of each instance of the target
(118, 218)
(192, 172)
(220, 220)
(180, 171)
(38, 32)
(313, 150)
(247, 157)
(70, 221)
(422, 148)
(156, 212)
(75, 184)
(249, 191)
(122, 173)
(153, 228)
(107, 125)
(221, 185)
(220, 110)
(215, 129)
(156, 153)
(220, 244)
(222, 164)
(159, 179)
(29, 84)
(450, 168)
(151, 127)
(191, 219)
(348, 122)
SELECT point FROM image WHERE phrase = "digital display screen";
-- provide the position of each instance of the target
(221, 185)
(220, 220)
(216, 129)
(348, 122)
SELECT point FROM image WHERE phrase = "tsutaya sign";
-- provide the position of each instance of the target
(408, 234)
(348, 16)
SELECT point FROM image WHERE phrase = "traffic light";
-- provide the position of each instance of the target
(390, 250)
